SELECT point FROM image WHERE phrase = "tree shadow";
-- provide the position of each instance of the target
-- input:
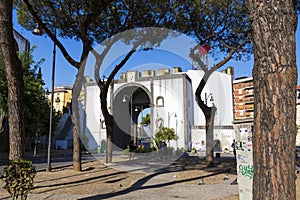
(87, 171)
(183, 163)
(57, 186)
(220, 168)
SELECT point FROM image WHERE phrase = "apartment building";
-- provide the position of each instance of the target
(243, 98)
(243, 108)
(62, 97)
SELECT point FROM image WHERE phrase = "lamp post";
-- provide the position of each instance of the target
(99, 145)
(38, 32)
(169, 116)
(38, 129)
(176, 131)
(137, 108)
(130, 99)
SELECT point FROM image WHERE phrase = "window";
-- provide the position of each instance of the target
(241, 106)
(241, 112)
(160, 101)
(57, 107)
(240, 91)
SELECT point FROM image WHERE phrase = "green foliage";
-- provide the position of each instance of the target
(221, 24)
(19, 178)
(146, 120)
(126, 151)
(36, 106)
(165, 134)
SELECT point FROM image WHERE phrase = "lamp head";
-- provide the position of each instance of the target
(124, 99)
(37, 30)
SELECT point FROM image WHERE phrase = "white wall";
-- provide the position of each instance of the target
(93, 112)
(173, 93)
(220, 86)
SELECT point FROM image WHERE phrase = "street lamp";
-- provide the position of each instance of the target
(177, 121)
(38, 129)
(137, 108)
(38, 32)
(207, 96)
(99, 145)
(130, 99)
(169, 116)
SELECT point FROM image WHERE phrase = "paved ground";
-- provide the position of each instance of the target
(146, 177)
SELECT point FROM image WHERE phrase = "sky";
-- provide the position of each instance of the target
(172, 54)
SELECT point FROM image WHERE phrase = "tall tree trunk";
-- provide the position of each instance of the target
(109, 120)
(77, 87)
(14, 80)
(104, 86)
(209, 128)
(209, 113)
(76, 137)
(273, 26)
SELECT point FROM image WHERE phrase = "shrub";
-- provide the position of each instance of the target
(18, 178)
(126, 151)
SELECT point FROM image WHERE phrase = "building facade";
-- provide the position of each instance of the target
(243, 98)
(167, 95)
(62, 97)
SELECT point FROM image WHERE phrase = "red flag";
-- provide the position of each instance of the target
(204, 49)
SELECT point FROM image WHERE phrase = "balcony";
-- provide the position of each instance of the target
(249, 101)
(249, 87)
(249, 93)
(249, 108)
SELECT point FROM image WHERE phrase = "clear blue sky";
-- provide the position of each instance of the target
(65, 73)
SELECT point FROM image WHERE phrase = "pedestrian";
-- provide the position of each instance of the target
(132, 148)
(233, 146)
(33, 143)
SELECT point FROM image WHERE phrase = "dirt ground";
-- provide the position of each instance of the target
(97, 178)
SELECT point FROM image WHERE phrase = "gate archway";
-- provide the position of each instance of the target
(126, 100)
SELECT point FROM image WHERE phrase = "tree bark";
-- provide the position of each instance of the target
(209, 113)
(76, 137)
(75, 113)
(104, 86)
(209, 128)
(14, 80)
(273, 26)
(109, 124)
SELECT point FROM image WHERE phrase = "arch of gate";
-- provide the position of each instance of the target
(126, 99)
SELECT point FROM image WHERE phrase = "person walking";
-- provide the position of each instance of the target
(233, 146)
(132, 148)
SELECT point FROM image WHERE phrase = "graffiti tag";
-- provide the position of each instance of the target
(246, 171)
(242, 158)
